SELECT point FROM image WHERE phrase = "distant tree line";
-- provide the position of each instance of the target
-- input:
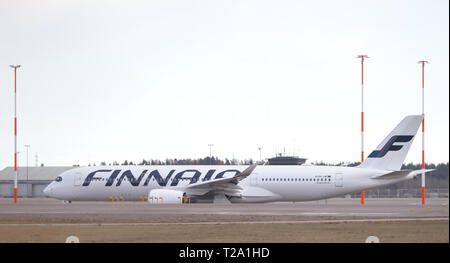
(189, 161)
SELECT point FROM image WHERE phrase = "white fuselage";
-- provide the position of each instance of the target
(265, 184)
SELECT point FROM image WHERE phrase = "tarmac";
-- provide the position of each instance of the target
(395, 218)
(57, 211)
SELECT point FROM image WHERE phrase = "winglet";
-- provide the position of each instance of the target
(246, 172)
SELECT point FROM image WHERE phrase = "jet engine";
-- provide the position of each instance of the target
(165, 196)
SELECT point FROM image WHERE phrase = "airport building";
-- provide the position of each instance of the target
(31, 181)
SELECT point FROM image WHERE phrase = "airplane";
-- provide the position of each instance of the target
(237, 184)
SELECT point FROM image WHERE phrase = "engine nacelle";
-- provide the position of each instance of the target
(165, 196)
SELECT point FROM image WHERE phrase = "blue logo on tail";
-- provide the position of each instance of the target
(389, 146)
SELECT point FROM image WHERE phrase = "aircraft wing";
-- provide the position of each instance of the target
(401, 173)
(229, 184)
(234, 180)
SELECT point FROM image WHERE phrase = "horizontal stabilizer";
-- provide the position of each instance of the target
(401, 173)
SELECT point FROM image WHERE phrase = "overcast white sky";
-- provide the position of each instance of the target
(116, 80)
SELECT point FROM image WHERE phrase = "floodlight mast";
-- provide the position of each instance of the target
(15, 67)
(260, 148)
(362, 114)
(423, 128)
(210, 156)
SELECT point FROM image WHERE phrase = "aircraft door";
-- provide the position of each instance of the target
(78, 179)
(253, 179)
(339, 180)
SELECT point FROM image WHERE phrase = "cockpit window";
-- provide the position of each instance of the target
(58, 179)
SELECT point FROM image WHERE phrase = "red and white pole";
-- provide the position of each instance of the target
(362, 114)
(423, 129)
(15, 67)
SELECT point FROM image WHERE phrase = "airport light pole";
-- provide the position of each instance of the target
(15, 67)
(210, 146)
(423, 129)
(362, 114)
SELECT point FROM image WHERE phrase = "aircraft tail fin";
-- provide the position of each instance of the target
(391, 152)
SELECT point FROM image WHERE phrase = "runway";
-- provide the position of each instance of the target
(333, 220)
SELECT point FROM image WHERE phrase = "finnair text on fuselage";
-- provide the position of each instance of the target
(192, 175)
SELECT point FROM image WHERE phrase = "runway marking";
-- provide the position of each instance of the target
(241, 222)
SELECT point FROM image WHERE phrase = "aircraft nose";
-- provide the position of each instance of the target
(48, 191)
